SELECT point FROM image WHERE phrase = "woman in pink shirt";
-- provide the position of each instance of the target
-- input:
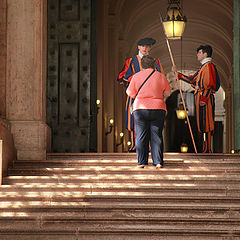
(149, 111)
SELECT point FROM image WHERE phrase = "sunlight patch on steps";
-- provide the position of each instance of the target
(87, 185)
(105, 160)
(96, 168)
(47, 203)
(15, 204)
(118, 177)
(119, 168)
(13, 214)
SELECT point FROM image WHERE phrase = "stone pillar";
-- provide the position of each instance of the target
(26, 77)
(123, 50)
(117, 104)
(101, 71)
(3, 47)
(228, 105)
(236, 59)
(106, 77)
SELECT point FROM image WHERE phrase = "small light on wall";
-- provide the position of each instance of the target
(121, 134)
(111, 121)
(235, 151)
(111, 124)
(184, 148)
(129, 143)
(98, 103)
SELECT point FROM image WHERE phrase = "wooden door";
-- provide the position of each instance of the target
(71, 75)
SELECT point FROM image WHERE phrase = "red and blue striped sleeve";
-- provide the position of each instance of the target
(158, 66)
(189, 79)
(124, 76)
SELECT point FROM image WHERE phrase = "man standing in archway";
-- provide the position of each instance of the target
(132, 66)
(206, 82)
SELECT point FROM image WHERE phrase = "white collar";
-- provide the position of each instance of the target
(140, 54)
(205, 60)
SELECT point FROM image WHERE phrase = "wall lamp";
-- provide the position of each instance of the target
(235, 151)
(98, 103)
(121, 134)
(111, 124)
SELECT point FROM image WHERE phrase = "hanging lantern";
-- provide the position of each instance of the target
(174, 22)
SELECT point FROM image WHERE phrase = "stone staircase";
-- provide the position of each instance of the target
(103, 196)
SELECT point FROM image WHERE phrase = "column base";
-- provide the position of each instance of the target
(32, 139)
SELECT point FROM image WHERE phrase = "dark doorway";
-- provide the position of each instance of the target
(71, 75)
(177, 130)
(218, 137)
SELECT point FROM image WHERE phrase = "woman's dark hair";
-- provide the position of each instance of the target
(205, 49)
(147, 62)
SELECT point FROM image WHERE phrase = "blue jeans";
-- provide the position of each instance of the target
(148, 128)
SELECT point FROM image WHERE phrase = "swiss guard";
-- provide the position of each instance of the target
(132, 66)
(206, 82)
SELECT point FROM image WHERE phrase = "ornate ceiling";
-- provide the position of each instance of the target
(208, 22)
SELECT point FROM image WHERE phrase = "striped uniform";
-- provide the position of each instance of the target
(132, 66)
(206, 82)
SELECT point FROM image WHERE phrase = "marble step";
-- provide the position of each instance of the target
(125, 161)
(168, 155)
(158, 177)
(38, 191)
(103, 196)
(174, 234)
(127, 211)
(117, 225)
(117, 201)
(29, 170)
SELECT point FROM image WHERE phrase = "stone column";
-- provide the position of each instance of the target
(101, 71)
(26, 77)
(236, 59)
(228, 105)
(3, 47)
(123, 50)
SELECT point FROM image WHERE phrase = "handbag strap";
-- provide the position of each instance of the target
(145, 81)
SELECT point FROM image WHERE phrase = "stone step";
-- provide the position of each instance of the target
(64, 196)
(101, 210)
(158, 176)
(174, 234)
(74, 180)
(118, 225)
(119, 200)
(103, 196)
(119, 170)
(22, 191)
(109, 161)
(168, 155)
